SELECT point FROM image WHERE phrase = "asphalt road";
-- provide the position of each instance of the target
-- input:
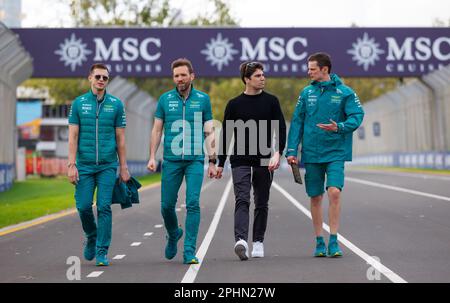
(395, 227)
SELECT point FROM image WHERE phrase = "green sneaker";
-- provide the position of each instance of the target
(333, 247)
(191, 260)
(101, 260)
(89, 248)
(171, 247)
(321, 249)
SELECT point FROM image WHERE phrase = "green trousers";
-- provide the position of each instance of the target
(173, 173)
(91, 177)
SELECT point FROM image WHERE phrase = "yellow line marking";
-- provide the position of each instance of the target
(41, 220)
(24, 225)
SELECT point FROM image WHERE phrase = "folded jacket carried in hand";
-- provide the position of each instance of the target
(126, 193)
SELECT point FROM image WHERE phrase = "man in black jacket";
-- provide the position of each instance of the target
(253, 118)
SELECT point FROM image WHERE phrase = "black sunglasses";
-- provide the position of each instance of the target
(104, 78)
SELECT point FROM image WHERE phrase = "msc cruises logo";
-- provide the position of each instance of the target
(365, 51)
(219, 51)
(73, 52)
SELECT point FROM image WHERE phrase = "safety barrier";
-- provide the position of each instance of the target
(412, 122)
(16, 66)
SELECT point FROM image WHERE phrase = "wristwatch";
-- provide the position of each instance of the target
(213, 161)
(71, 164)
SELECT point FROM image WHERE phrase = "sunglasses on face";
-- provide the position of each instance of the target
(104, 78)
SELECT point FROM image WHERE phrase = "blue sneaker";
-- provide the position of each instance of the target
(191, 260)
(89, 248)
(171, 247)
(321, 249)
(101, 260)
(333, 247)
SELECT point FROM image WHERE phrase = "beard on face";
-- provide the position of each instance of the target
(183, 86)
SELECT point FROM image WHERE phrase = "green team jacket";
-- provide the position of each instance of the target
(97, 123)
(318, 103)
(184, 123)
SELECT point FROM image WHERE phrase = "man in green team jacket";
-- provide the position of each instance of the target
(326, 114)
(186, 117)
(96, 139)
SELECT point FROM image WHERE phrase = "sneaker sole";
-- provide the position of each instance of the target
(336, 255)
(101, 264)
(257, 255)
(240, 252)
(320, 255)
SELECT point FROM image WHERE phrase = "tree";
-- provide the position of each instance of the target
(122, 13)
(219, 16)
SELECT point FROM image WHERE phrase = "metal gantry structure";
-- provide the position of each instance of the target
(16, 65)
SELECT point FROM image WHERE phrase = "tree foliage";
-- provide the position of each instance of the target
(123, 13)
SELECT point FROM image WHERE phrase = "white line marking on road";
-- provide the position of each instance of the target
(94, 274)
(208, 185)
(158, 225)
(148, 234)
(401, 189)
(136, 243)
(191, 273)
(119, 257)
(370, 260)
(400, 174)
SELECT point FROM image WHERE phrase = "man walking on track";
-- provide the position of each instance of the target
(186, 117)
(326, 115)
(96, 139)
(253, 117)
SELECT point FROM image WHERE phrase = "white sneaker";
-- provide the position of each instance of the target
(241, 249)
(258, 250)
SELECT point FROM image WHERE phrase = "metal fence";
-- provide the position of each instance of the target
(140, 110)
(16, 65)
(408, 127)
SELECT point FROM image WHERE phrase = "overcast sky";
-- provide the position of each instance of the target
(283, 13)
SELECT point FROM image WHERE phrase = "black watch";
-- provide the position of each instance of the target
(213, 161)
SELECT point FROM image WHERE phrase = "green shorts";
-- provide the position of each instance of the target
(315, 177)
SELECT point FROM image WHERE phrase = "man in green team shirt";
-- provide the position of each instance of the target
(96, 141)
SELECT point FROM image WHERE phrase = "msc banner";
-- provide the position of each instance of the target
(217, 52)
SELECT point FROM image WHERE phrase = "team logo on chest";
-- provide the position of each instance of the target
(86, 108)
(108, 108)
(312, 100)
(336, 99)
(173, 105)
(194, 104)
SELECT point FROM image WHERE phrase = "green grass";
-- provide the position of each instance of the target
(149, 179)
(37, 197)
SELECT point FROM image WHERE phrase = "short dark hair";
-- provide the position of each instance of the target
(248, 68)
(182, 62)
(99, 66)
(322, 59)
